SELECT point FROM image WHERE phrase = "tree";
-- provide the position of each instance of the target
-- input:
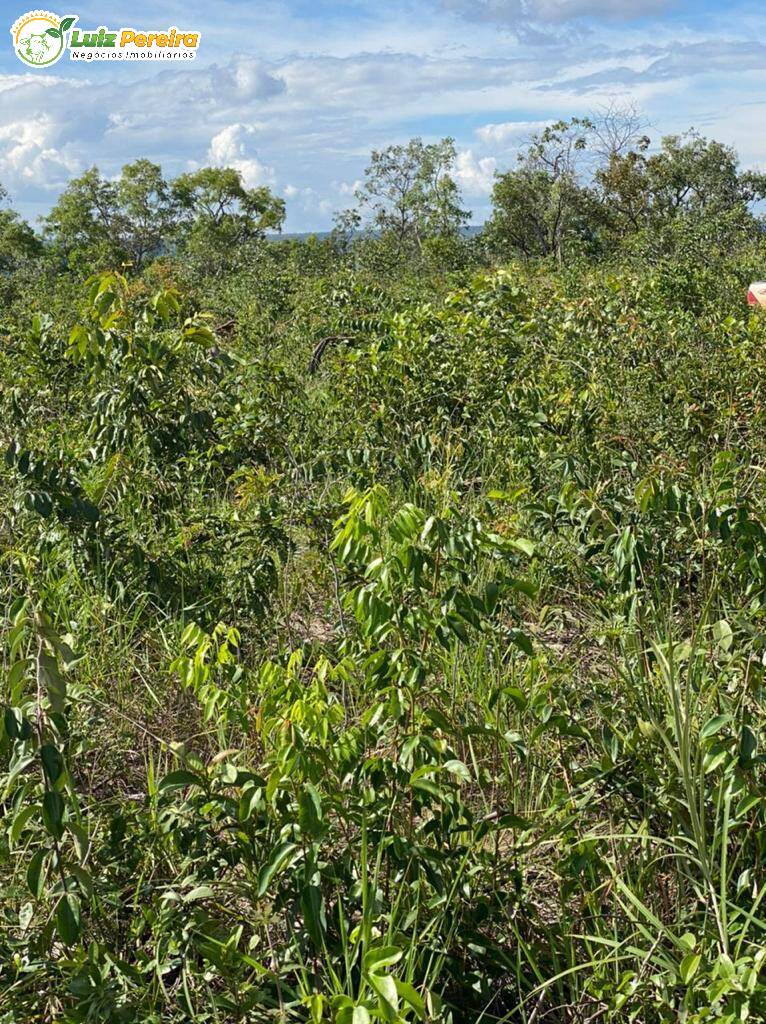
(346, 225)
(690, 176)
(217, 210)
(147, 211)
(595, 182)
(18, 242)
(541, 207)
(410, 194)
(99, 222)
(616, 128)
(81, 226)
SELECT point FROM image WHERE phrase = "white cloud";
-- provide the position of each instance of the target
(671, 63)
(349, 188)
(229, 148)
(29, 156)
(476, 175)
(508, 132)
(253, 80)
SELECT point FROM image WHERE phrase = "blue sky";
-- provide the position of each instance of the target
(297, 93)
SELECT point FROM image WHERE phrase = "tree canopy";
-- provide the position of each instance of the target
(583, 184)
(409, 194)
(140, 214)
(588, 185)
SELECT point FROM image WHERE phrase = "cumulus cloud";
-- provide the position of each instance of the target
(229, 148)
(29, 154)
(252, 79)
(506, 133)
(347, 188)
(476, 175)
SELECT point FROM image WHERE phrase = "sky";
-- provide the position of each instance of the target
(296, 94)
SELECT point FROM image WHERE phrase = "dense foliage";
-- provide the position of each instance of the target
(383, 630)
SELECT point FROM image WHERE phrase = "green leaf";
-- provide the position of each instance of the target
(715, 758)
(53, 762)
(522, 641)
(21, 819)
(748, 802)
(310, 811)
(17, 672)
(385, 987)
(84, 879)
(426, 786)
(465, 609)
(180, 780)
(35, 874)
(722, 634)
(53, 813)
(713, 725)
(41, 502)
(12, 719)
(347, 1013)
(410, 995)
(53, 32)
(748, 744)
(50, 679)
(201, 892)
(515, 821)
(491, 595)
(66, 23)
(522, 544)
(457, 627)
(81, 839)
(522, 586)
(382, 956)
(312, 906)
(68, 919)
(278, 859)
(458, 769)
(689, 966)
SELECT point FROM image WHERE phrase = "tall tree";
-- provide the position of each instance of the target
(82, 225)
(147, 211)
(616, 128)
(214, 203)
(409, 193)
(541, 207)
(689, 175)
(98, 222)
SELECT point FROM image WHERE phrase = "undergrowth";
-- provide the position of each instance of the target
(388, 653)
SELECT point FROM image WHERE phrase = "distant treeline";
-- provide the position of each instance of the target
(583, 187)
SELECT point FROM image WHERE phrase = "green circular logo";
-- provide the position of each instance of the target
(39, 37)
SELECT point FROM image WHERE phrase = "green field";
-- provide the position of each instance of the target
(383, 616)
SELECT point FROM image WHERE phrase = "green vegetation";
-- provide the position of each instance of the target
(383, 615)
